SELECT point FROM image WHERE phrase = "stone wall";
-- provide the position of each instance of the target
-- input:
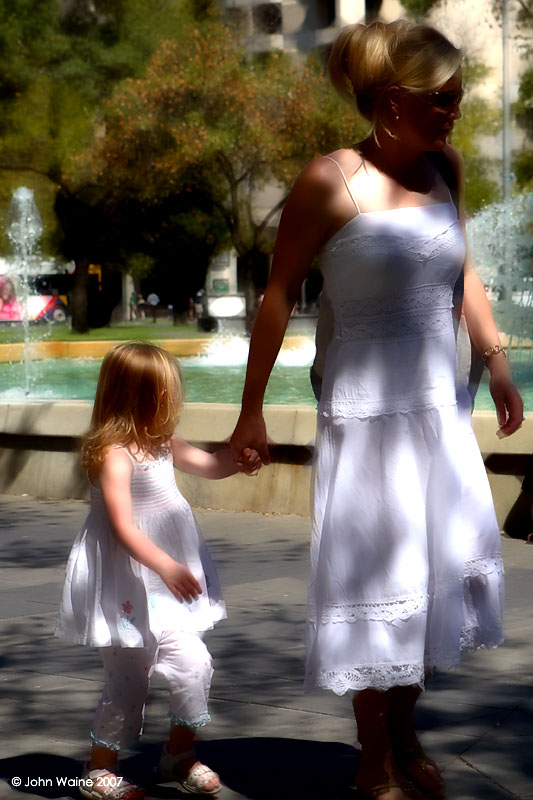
(39, 442)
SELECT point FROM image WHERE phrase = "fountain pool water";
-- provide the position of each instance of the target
(502, 244)
(216, 377)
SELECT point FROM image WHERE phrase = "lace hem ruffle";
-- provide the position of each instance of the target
(377, 676)
(387, 676)
(204, 720)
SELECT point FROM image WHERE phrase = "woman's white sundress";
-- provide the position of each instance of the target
(406, 568)
(111, 599)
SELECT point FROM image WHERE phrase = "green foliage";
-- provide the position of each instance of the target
(523, 169)
(480, 189)
(208, 114)
(139, 265)
(418, 8)
(524, 105)
(477, 115)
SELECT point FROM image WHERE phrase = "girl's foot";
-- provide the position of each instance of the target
(189, 772)
(102, 784)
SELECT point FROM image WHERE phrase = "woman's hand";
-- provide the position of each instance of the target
(509, 404)
(180, 581)
(249, 434)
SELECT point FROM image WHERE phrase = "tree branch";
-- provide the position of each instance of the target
(261, 227)
(527, 10)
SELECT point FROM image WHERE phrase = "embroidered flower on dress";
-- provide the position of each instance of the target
(127, 620)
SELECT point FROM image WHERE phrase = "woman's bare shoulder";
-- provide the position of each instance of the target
(321, 178)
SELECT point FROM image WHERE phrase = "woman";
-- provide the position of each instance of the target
(405, 555)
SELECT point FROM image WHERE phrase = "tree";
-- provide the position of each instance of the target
(58, 62)
(208, 115)
(523, 161)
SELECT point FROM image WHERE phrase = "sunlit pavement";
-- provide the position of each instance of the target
(267, 739)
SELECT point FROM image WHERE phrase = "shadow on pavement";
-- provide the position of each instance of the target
(256, 768)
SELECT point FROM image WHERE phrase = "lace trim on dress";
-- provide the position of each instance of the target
(398, 609)
(420, 312)
(363, 408)
(417, 248)
(419, 298)
(386, 676)
(484, 565)
(402, 608)
(397, 326)
(175, 720)
(377, 676)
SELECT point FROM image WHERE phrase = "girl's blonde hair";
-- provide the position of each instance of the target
(138, 401)
(366, 60)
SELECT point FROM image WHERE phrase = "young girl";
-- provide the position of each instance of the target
(140, 584)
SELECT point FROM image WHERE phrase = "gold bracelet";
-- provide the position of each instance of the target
(493, 351)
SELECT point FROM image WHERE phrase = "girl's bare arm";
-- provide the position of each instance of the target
(219, 464)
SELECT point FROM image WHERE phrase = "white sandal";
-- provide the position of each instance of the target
(197, 778)
(114, 787)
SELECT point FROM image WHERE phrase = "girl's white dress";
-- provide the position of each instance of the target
(108, 597)
(405, 558)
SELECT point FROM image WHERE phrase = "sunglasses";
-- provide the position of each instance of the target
(442, 100)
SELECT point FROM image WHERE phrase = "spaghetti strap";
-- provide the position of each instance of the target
(346, 183)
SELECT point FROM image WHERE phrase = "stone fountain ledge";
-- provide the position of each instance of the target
(92, 349)
(39, 441)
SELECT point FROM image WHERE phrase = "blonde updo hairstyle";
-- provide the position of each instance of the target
(366, 60)
(138, 401)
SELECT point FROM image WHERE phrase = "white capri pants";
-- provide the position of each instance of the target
(181, 657)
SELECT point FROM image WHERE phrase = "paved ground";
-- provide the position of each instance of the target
(268, 740)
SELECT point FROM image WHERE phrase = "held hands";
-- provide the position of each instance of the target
(249, 462)
(250, 435)
(181, 582)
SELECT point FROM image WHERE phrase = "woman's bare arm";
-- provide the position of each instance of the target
(304, 227)
(482, 328)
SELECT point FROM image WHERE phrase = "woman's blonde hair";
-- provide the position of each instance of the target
(138, 401)
(366, 60)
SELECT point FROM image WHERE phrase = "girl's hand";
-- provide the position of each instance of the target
(181, 582)
(250, 435)
(509, 404)
(249, 462)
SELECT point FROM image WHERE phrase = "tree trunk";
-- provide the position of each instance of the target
(79, 296)
(252, 271)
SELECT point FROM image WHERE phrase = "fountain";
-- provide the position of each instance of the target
(501, 242)
(502, 247)
(24, 229)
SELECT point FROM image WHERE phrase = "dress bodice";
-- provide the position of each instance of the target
(389, 277)
(153, 485)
